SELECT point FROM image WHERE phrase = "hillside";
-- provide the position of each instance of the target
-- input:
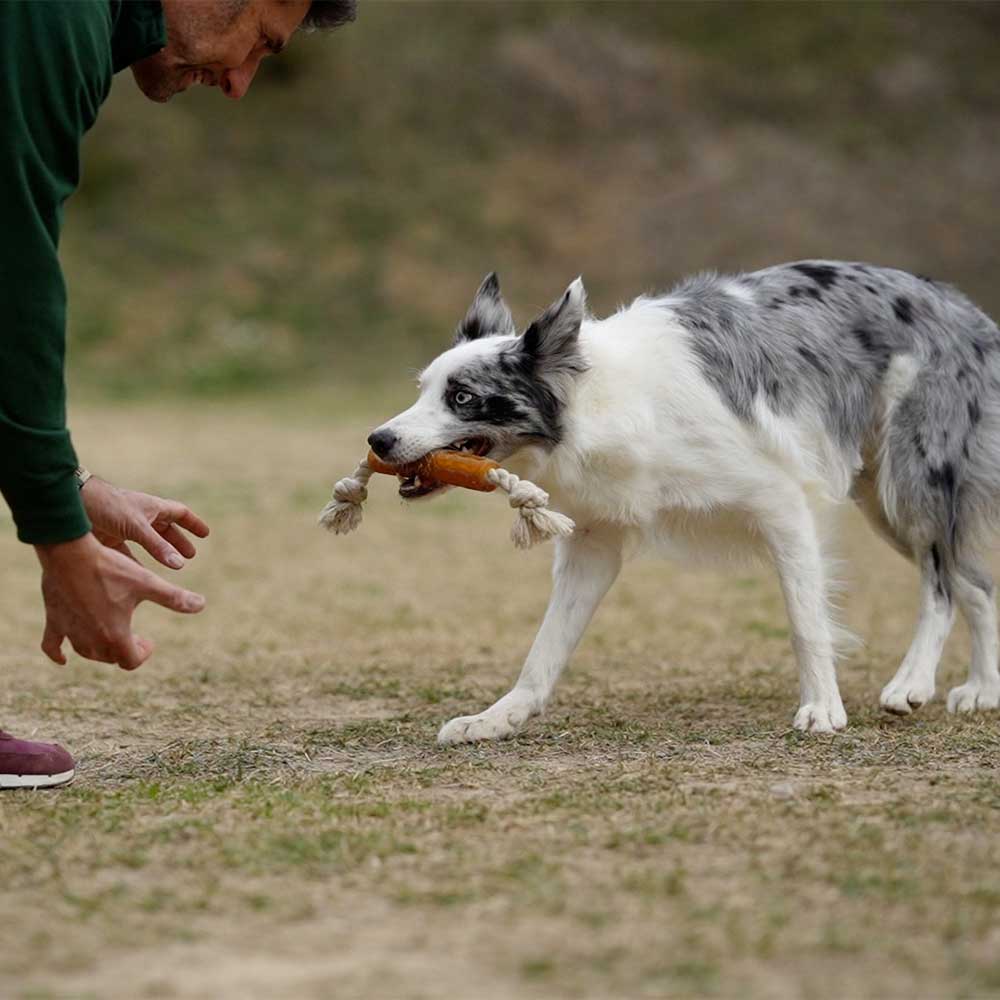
(336, 222)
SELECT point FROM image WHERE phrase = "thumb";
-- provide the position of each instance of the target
(168, 595)
(52, 642)
(145, 647)
(133, 652)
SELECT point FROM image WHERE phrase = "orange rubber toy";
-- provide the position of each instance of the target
(534, 521)
(453, 468)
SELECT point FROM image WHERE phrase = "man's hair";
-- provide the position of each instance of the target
(325, 15)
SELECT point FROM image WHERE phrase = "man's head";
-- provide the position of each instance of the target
(220, 43)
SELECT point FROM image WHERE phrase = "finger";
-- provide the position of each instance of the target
(181, 514)
(156, 545)
(179, 540)
(168, 595)
(52, 641)
(132, 651)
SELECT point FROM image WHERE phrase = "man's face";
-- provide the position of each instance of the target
(218, 43)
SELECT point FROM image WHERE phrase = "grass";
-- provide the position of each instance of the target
(262, 809)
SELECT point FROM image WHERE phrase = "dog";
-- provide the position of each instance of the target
(725, 416)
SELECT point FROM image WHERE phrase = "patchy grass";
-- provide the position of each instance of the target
(262, 809)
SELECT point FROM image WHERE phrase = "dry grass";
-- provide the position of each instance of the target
(262, 811)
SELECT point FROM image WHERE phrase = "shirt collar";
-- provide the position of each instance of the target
(137, 31)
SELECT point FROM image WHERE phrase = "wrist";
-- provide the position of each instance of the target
(56, 553)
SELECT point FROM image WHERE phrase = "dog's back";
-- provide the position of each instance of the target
(903, 372)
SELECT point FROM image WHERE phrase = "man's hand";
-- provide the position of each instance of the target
(90, 593)
(120, 516)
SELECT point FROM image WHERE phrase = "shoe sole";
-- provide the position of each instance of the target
(36, 780)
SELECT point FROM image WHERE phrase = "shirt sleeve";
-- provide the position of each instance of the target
(54, 74)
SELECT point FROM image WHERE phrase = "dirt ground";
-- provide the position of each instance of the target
(261, 811)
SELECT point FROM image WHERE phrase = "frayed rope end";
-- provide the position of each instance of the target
(539, 525)
(344, 511)
(534, 522)
(341, 518)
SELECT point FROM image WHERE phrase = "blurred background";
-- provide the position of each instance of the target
(333, 226)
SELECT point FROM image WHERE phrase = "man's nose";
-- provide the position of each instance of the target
(236, 82)
(382, 442)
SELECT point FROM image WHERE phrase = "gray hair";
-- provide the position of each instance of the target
(325, 15)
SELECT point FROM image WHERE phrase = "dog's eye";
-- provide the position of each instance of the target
(463, 398)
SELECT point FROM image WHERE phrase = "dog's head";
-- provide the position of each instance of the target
(493, 392)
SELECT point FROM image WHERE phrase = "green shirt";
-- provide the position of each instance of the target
(57, 58)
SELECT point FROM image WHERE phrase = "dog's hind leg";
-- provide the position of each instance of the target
(913, 684)
(789, 528)
(975, 594)
(586, 565)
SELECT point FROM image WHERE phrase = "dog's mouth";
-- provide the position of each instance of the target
(413, 486)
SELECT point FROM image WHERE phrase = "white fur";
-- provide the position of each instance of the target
(648, 462)
(421, 426)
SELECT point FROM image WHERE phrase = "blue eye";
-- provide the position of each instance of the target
(463, 398)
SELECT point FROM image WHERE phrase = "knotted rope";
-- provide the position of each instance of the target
(344, 512)
(534, 522)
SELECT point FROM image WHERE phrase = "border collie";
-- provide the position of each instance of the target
(723, 417)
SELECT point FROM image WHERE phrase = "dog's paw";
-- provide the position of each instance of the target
(974, 696)
(473, 728)
(903, 695)
(500, 720)
(820, 717)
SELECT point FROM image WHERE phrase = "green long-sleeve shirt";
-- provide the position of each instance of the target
(57, 58)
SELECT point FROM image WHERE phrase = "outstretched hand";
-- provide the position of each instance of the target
(120, 516)
(92, 585)
(91, 592)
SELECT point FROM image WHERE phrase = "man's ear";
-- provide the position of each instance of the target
(551, 340)
(488, 316)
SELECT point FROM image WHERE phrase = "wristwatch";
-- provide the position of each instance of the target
(82, 475)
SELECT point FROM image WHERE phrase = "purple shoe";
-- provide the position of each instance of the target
(33, 765)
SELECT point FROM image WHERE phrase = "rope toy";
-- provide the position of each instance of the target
(534, 522)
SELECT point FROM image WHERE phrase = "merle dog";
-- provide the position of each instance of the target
(724, 416)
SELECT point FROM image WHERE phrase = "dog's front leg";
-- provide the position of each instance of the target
(586, 564)
(790, 530)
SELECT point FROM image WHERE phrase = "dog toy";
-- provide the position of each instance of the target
(534, 522)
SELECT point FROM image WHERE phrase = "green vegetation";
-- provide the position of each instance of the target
(334, 225)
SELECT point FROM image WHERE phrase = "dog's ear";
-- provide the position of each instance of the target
(551, 342)
(488, 316)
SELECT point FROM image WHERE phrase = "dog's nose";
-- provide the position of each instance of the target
(382, 442)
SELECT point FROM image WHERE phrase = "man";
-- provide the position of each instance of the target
(57, 59)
